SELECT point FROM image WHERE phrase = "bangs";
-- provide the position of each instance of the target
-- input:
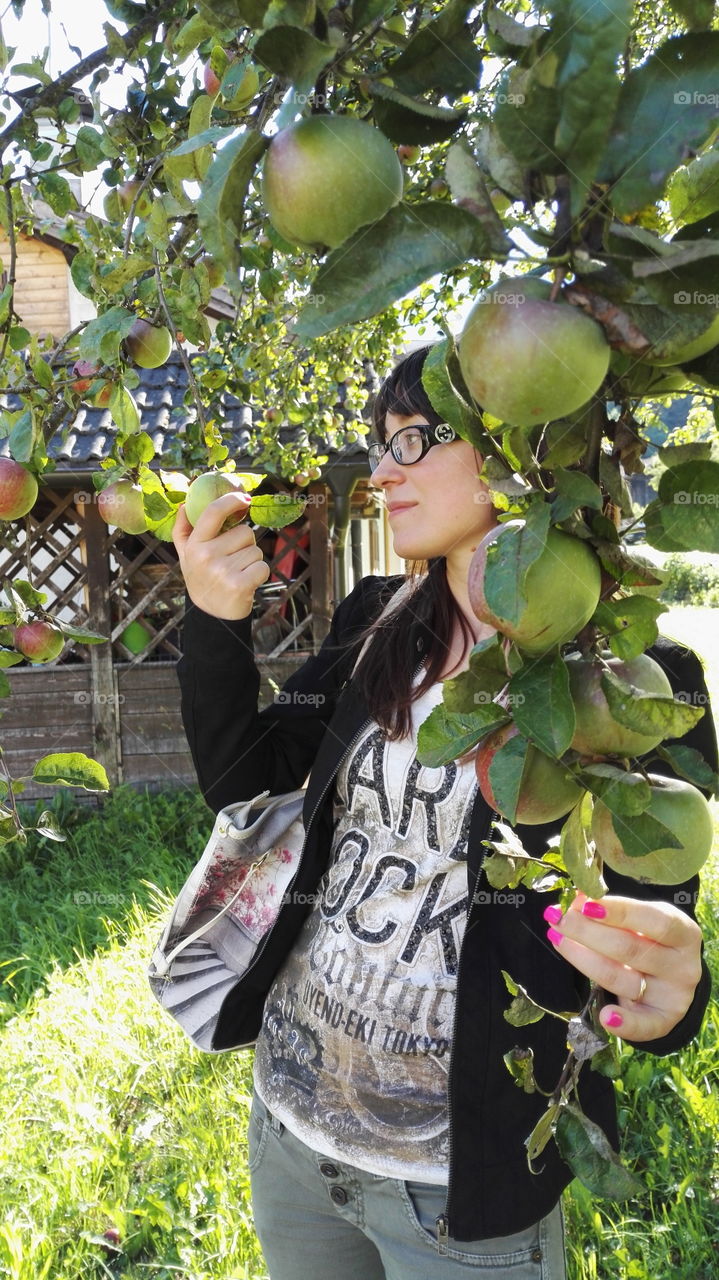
(402, 393)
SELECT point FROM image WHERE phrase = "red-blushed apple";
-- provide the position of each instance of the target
(84, 372)
(211, 80)
(102, 398)
(205, 489)
(527, 360)
(408, 154)
(38, 641)
(680, 807)
(120, 504)
(562, 588)
(326, 176)
(547, 790)
(18, 489)
(597, 732)
(148, 345)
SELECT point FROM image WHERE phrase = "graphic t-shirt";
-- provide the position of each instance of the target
(353, 1054)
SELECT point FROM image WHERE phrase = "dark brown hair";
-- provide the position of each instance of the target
(384, 677)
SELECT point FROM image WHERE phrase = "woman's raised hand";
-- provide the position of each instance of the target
(222, 571)
(620, 941)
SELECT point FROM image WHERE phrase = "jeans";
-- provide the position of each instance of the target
(319, 1219)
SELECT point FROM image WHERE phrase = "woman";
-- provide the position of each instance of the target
(386, 1135)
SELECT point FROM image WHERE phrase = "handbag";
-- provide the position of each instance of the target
(229, 904)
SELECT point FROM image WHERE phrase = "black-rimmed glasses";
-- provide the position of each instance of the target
(410, 444)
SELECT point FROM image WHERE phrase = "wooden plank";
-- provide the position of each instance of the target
(317, 512)
(168, 771)
(105, 707)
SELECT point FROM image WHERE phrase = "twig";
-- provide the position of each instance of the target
(183, 354)
(12, 265)
(10, 794)
(53, 93)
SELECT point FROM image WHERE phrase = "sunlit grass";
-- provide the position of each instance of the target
(112, 1121)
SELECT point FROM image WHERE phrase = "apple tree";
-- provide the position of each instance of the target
(347, 169)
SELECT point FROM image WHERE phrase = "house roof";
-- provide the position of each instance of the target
(87, 438)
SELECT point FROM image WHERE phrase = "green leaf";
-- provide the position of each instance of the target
(89, 147)
(520, 1065)
(192, 158)
(590, 36)
(101, 338)
(689, 495)
(81, 634)
(630, 624)
(42, 373)
(697, 14)
(523, 1010)
(578, 856)
(690, 764)
(5, 689)
(71, 769)
(138, 448)
(383, 262)
(469, 191)
(573, 489)
(114, 275)
(541, 1133)
(9, 658)
(58, 193)
(542, 706)
(505, 775)
(24, 436)
(19, 338)
(82, 269)
(5, 301)
(445, 736)
(643, 834)
(527, 112)
(654, 530)
(294, 54)
(676, 88)
(275, 510)
(123, 410)
(47, 825)
(410, 120)
(624, 793)
(444, 396)
(191, 35)
(509, 559)
(589, 1154)
(23, 592)
(442, 55)
(648, 712)
(220, 207)
(471, 690)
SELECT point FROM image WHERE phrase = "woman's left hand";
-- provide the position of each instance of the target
(619, 941)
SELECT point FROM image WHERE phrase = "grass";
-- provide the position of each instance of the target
(113, 1122)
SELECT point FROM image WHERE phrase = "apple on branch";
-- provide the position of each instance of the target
(18, 489)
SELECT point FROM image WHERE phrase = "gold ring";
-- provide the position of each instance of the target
(642, 989)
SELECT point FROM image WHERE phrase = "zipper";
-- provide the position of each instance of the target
(442, 1221)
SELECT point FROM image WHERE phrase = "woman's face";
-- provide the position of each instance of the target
(437, 506)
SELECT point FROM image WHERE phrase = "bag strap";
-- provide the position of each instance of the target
(403, 592)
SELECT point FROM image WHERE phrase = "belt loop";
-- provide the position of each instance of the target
(276, 1124)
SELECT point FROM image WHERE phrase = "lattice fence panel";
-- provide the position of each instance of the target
(52, 537)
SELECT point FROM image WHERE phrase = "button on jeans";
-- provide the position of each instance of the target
(320, 1219)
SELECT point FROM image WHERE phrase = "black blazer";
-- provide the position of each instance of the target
(239, 753)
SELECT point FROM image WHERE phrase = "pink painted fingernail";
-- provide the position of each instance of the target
(595, 910)
(552, 915)
(555, 937)
(614, 1020)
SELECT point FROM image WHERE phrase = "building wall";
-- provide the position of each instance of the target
(41, 289)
